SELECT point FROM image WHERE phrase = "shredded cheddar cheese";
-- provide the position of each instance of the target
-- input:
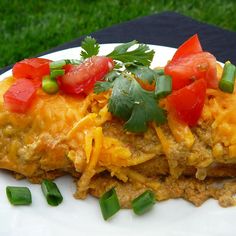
(139, 178)
(89, 171)
(82, 124)
(181, 132)
(221, 106)
(164, 141)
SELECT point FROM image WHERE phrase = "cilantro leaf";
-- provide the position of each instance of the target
(142, 55)
(120, 103)
(145, 109)
(118, 65)
(144, 73)
(123, 47)
(130, 102)
(90, 47)
(102, 86)
(111, 76)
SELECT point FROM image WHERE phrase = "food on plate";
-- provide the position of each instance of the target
(116, 125)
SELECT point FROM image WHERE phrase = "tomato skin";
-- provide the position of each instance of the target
(68, 67)
(190, 46)
(186, 104)
(33, 68)
(185, 70)
(81, 78)
(19, 96)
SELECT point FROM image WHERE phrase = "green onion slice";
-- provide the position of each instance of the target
(73, 61)
(163, 86)
(159, 71)
(51, 193)
(109, 204)
(18, 195)
(57, 72)
(143, 203)
(49, 86)
(57, 64)
(227, 80)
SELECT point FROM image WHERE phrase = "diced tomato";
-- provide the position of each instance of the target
(187, 103)
(190, 46)
(19, 96)
(37, 83)
(33, 68)
(68, 67)
(185, 70)
(81, 78)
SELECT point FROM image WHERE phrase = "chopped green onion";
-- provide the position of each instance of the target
(227, 80)
(51, 192)
(49, 86)
(143, 203)
(163, 86)
(109, 204)
(73, 61)
(18, 195)
(159, 71)
(57, 64)
(55, 73)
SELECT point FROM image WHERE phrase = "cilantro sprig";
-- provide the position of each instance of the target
(90, 47)
(142, 55)
(121, 103)
(144, 110)
(129, 101)
(144, 73)
(107, 83)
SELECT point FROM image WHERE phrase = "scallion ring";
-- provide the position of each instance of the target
(57, 72)
(163, 86)
(227, 80)
(57, 64)
(73, 61)
(109, 204)
(18, 195)
(49, 85)
(159, 71)
(51, 193)
(143, 203)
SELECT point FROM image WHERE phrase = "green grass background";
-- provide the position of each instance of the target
(30, 27)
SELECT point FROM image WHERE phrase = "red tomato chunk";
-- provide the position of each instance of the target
(19, 96)
(190, 63)
(81, 78)
(190, 46)
(33, 68)
(185, 70)
(187, 103)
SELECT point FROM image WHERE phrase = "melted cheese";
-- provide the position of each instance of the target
(181, 132)
(221, 107)
(163, 139)
(60, 131)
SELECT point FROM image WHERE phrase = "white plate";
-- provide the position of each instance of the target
(76, 217)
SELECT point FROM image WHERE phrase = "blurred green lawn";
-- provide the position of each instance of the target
(33, 26)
